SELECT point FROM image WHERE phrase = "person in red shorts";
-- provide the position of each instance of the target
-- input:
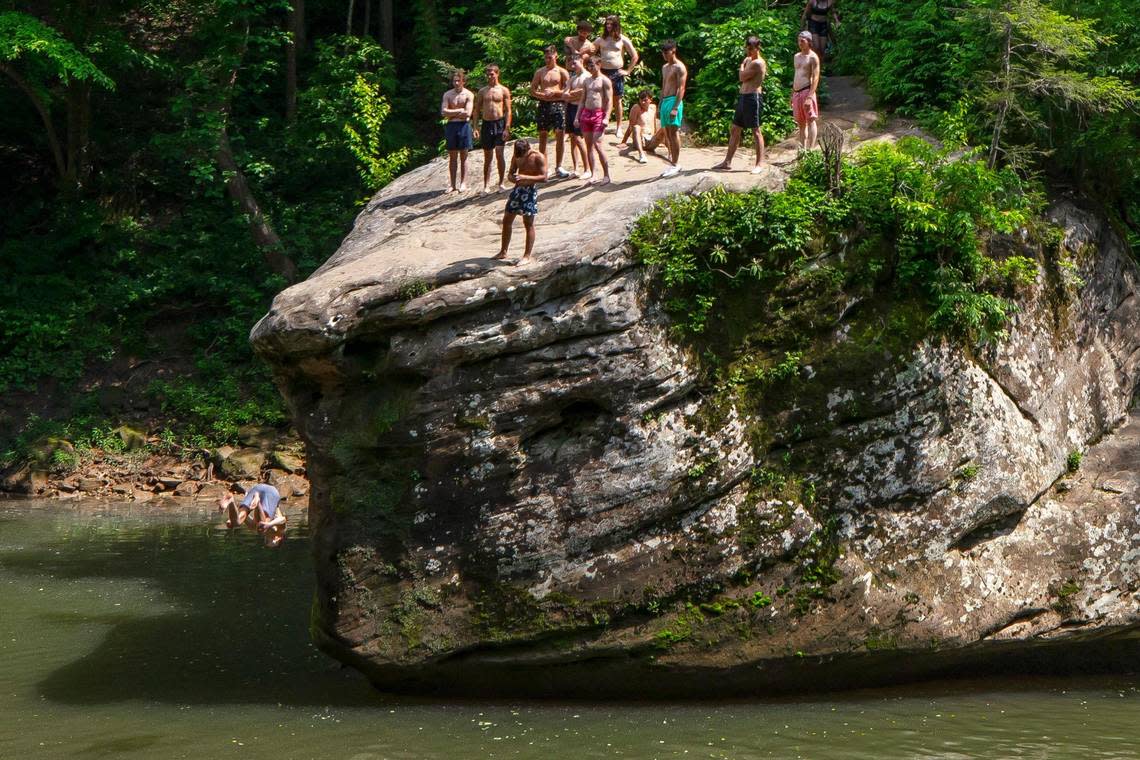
(805, 104)
(597, 100)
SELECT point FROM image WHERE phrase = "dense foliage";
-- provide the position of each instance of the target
(1047, 86)
(912, 223)
(175, 182)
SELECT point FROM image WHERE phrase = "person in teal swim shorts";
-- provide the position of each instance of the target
(674, 77)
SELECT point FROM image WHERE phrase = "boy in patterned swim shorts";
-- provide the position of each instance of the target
(528, 168)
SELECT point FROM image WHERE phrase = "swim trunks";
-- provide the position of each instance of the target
(571, 113)
(269, 498)
(523, 200)
(617, 79)
(666, 109)
(749, 109)
(551, 116)
(593, 120)
(805, 106)
(493, 133)
(457, 135)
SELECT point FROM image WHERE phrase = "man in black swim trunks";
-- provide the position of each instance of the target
(456, 108)
(547, 87)
(749, 105)
(528, 168)
(493, 124)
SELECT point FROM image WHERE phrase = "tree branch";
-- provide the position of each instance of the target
(45, 116)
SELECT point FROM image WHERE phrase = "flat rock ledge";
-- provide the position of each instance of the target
(517, 490)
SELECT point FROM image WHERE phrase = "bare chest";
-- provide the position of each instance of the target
(550, 78)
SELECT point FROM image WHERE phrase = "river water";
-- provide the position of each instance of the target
(138, 631)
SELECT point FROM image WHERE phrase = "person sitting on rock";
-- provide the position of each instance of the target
(257, 511)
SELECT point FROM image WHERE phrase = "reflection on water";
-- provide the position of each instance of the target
(131, 632)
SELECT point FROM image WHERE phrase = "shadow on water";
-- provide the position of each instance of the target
(235, 629)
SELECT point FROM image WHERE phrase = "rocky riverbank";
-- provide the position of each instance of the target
(133, 466)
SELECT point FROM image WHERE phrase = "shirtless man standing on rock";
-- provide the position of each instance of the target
(546, 87)
(573, 96)
(493, 124)
(805, 104)
(580, 43)
(528, 168)
(749, 105)
(597, 99)
(674, 77)
(612, 47)
(456, 108)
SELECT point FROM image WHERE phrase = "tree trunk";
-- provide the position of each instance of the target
(367, 18)
(387, 26)
(348, 24)
(296, 25)
(45, 117)
(264, 236)
(263, 233)
(78, 131)
(1007, 95)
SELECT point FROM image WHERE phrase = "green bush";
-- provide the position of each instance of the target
(918, 224)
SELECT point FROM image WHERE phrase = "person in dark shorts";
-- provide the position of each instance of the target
(456, 108)
(258, 511)
(547, 87)
(613, 47)
(493, 124)
(817, 18)
(573, 96)
(528, 168)
(749, 105)
(580, 43)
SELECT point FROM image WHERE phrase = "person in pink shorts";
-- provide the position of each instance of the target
(597, 100)
(805, 104)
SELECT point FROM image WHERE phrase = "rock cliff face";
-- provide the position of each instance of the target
(519, 484)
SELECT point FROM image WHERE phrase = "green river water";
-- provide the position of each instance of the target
(148, 633)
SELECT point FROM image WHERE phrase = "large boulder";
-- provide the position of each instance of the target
(242, 464)
(521, 485)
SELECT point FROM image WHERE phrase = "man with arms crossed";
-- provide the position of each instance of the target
(528, 168)
(546, 87)
(580, 43)
(456, 108)
(749, 105)
(597, 99)
(493, 120)
(674, 77)
(612, 46)
(573, 97)
(805, 104)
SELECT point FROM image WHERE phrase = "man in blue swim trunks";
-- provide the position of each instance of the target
(456, 107)
(674, 77)
(257, 511)
(528, 168)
